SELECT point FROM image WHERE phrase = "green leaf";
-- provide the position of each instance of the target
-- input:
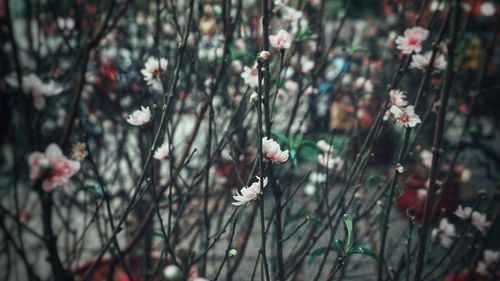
(364, 251)
(217, 10)
(338, 246)
(354, 49)
(309, 143)
(157, 233)
(94, 190)
(316, 253)
(308, 153)
(280, 137)
(237, 54)
(373, 179)
(304, 35)
(348, 225)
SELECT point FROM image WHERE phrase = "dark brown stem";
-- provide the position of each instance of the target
(438, 137)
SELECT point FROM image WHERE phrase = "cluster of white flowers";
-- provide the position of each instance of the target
(326, 158)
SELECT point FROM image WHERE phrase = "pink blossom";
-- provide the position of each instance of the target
(249, 193)
(272, 151)
(398, 98)
(446, 232)
(405, 117)
(480, 222)
(139, 117)
(78, 152)
(412, 40)
(153, 69)
(282, 40)
(463, 213)
(162, 152)
(478, 219)
(52, 167)
(422, 62)
(251, 75)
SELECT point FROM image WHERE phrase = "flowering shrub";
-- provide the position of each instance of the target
(249, 140)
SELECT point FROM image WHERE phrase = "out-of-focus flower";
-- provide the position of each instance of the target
(421, 194)
(282, 40)
(426, 157)
(78, 151)
(272, 151)
(412, 40)
(153, 69)
(487, 9)
(172, 273)
(463, 213)
(422, 62)
(288, 13)
(489, 263)
(465, 175)
(162, 152)
(309, 190)
(65, 23)
(324, 146)
(480, 221)
(249, 193)
(477, 219)
(33, 85)
(291, 87)
(140, 117)
(316, 177)
(405, 117)
(263, 55)
(398, 98)
(446, 232)
(306, 65)
(330, 162)
(52, 167)
(250, 75)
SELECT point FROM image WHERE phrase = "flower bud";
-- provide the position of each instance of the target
(254, 98)
(232, 253)
(263, 55)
